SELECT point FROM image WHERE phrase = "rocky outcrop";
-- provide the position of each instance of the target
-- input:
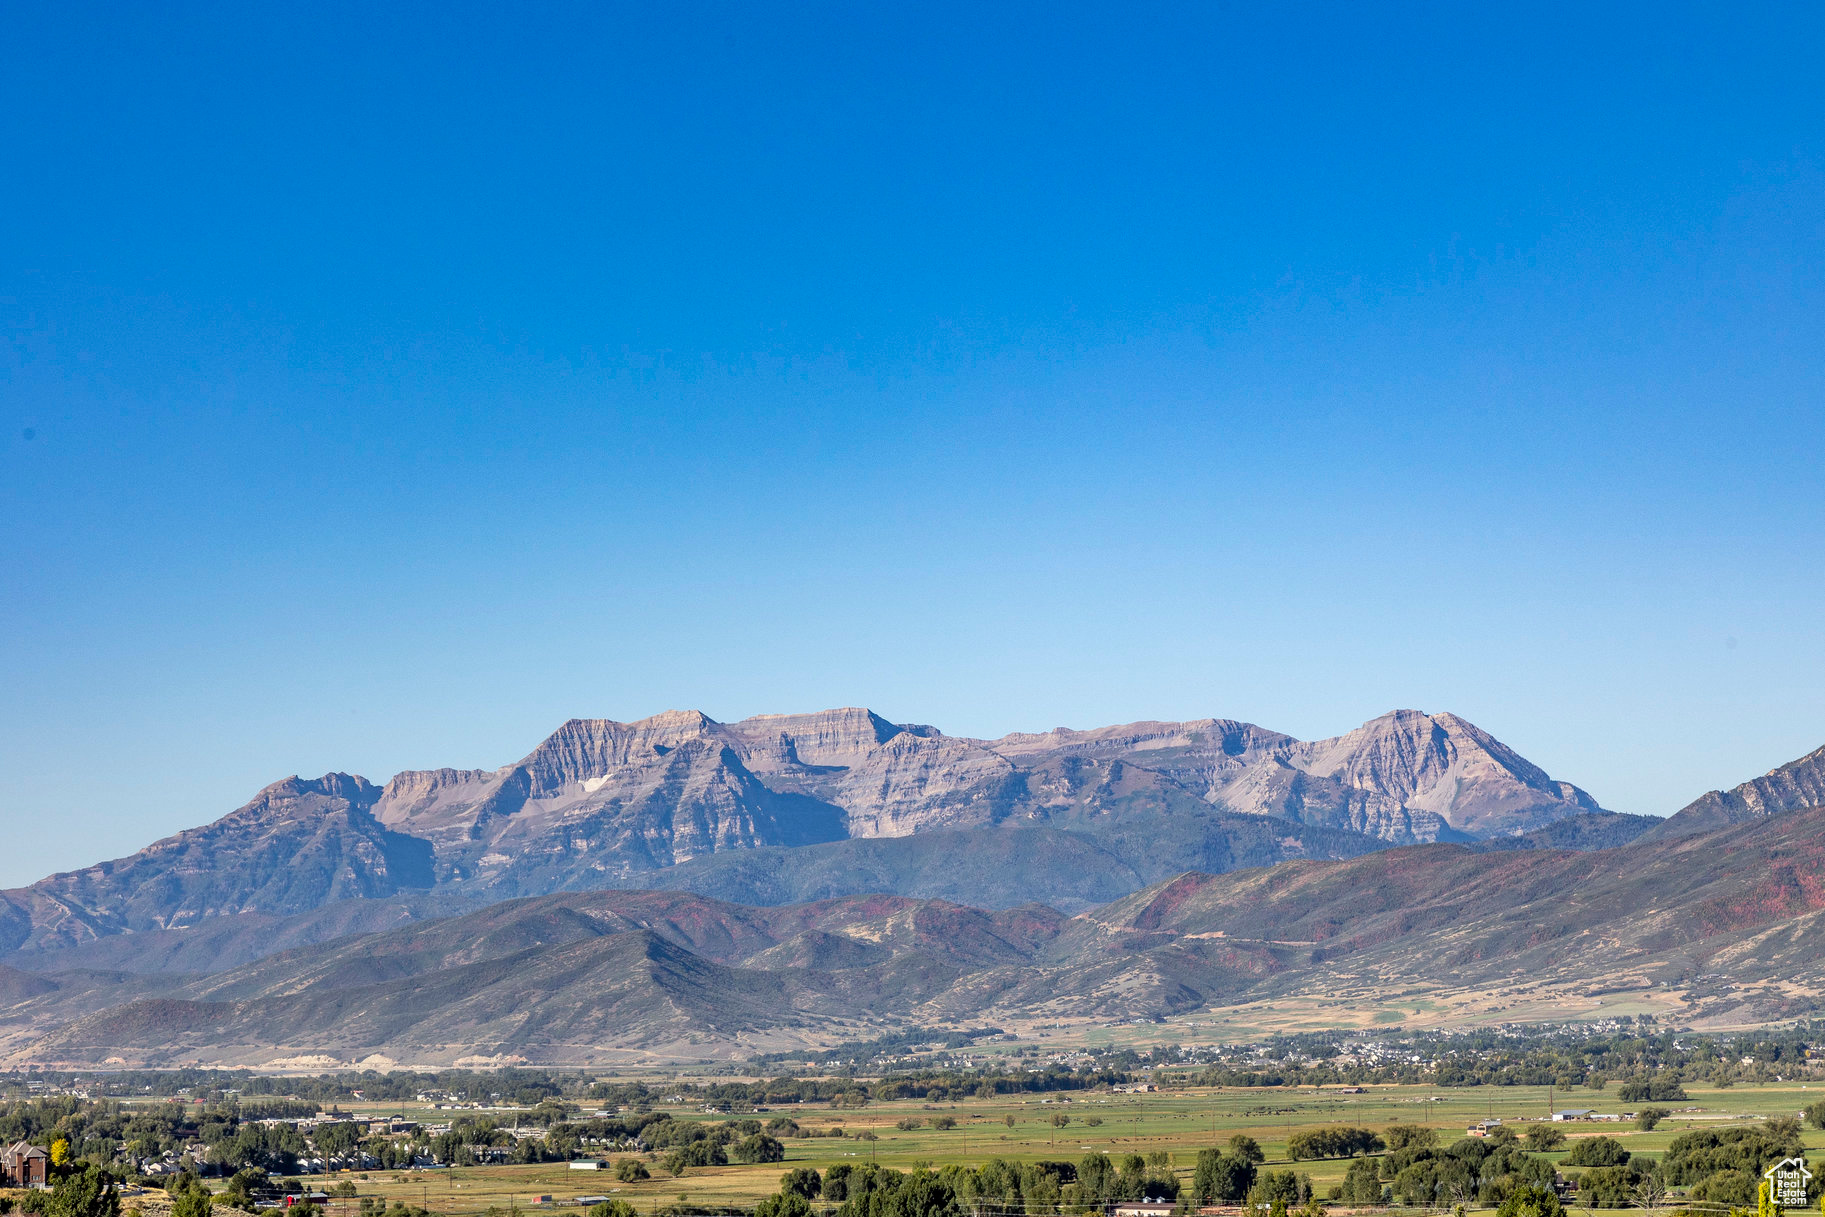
(1403, 777)
(1791, 787)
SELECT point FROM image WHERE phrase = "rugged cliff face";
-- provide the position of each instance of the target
(601, 803)
(1795, 786)
(1403, 777)
(298, 845)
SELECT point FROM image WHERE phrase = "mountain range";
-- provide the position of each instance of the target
(609, 804)
(678, 888)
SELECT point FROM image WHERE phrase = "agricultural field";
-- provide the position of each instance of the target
(1179, 1122)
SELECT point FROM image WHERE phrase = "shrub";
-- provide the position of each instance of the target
(908, 1123)
(631, 1170)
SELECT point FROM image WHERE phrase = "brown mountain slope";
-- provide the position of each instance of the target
(582, 977)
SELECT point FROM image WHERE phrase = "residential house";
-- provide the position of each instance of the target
(25, 1165)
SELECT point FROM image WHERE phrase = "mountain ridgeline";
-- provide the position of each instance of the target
(790, 807)
(679, 889)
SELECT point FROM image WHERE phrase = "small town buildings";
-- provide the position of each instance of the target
(25, 1165)
(1142, 1208)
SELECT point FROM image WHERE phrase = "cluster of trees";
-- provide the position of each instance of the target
(1341, 1141)
(1415, 1170)
(1639, 1054)
(105, 1133)
(893, 1044)
(1723, 1165)
(869, 1190)
(78, 1191)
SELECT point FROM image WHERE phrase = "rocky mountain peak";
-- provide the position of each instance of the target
(840, 737)
(587, 748)
(1795, 786)
(1446, 765)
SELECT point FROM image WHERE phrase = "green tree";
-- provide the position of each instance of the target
(196, 1202)
(1542, 1137)
(1245, 1146)
(1361, 1183)
(758, 1147)
(802, 1181)
(1341, 1141)
(242, 1188)
(1279, 1190)
(631, 1170)
(1221, 1178)
(1608, 1187)
(1410, 1136)
(1649, 1117)
(1531, 1200)
(1815, 1114)
(612, 1208)
(783, 1204)
(1598, 1151)
(88, 1192)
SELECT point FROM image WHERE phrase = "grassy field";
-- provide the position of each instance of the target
(1179, 1122)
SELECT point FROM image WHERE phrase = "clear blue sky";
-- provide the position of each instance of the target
(384, 384)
